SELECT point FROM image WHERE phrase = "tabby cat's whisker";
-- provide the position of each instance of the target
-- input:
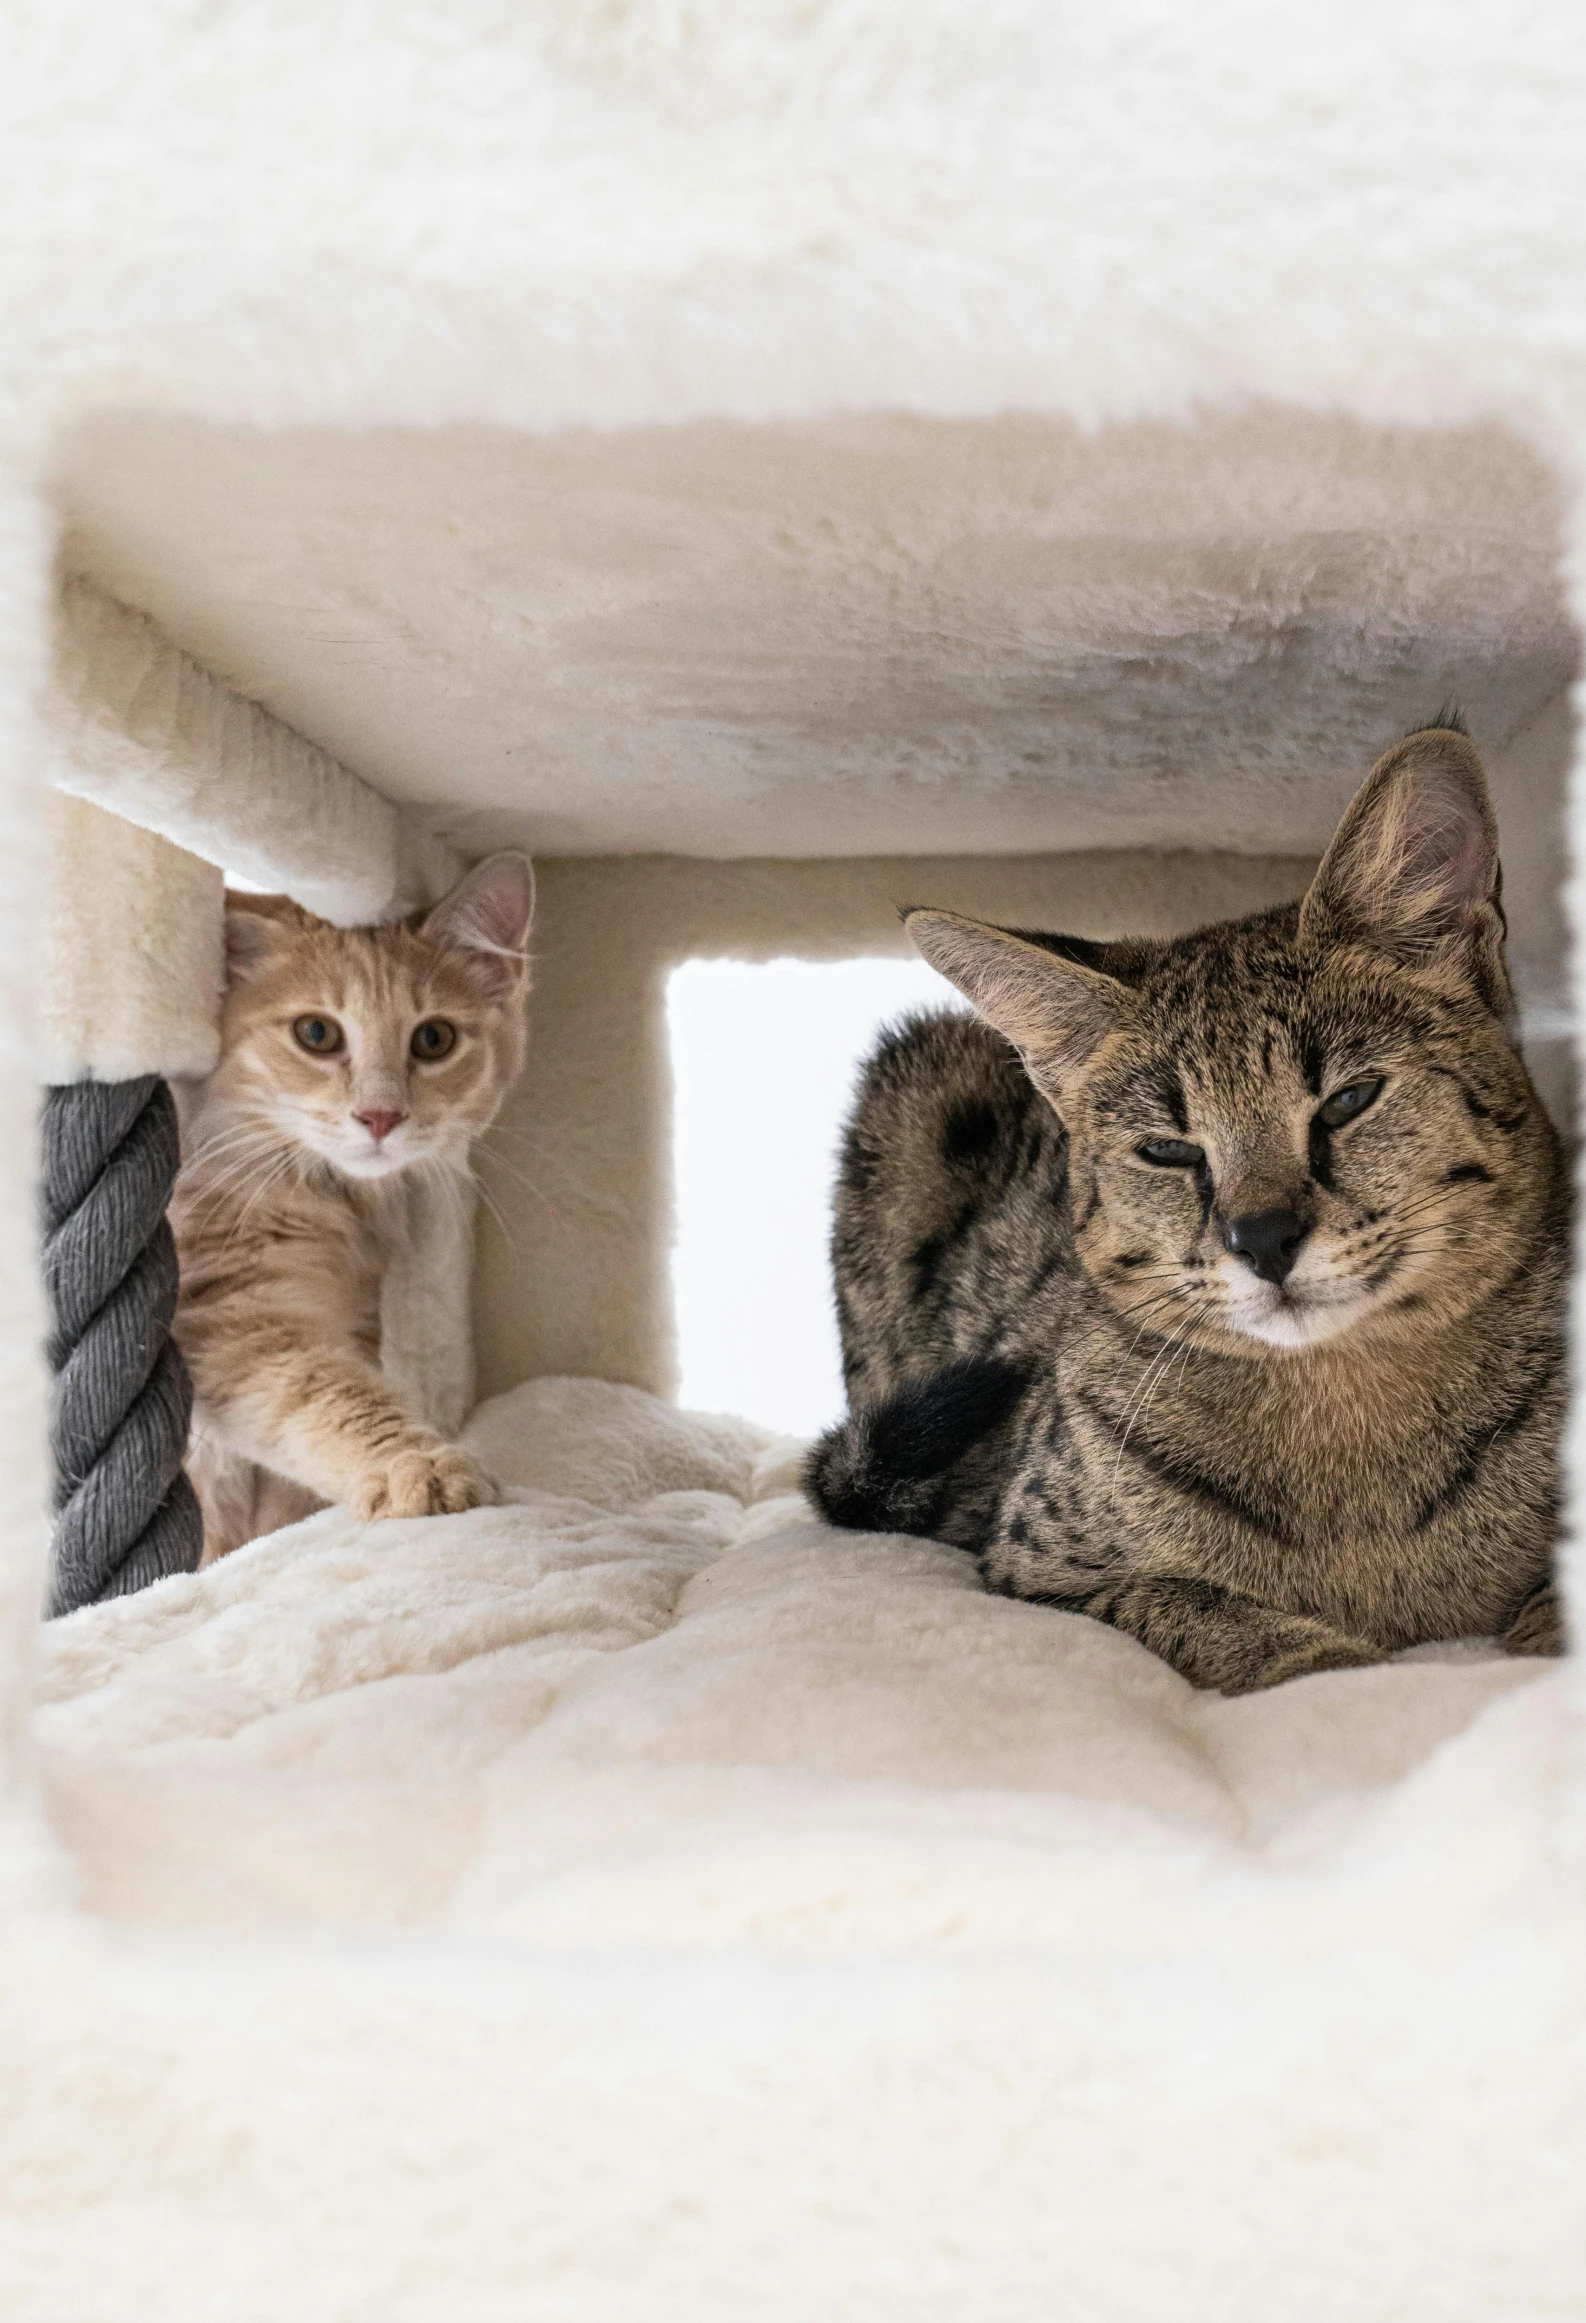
(1132, 1412)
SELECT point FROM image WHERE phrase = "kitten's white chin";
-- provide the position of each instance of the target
(370, 1165)
(365, 1160)
(385, 1161)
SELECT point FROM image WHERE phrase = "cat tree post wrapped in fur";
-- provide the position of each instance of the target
(732, 449)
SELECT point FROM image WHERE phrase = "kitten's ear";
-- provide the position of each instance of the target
(488, 912)
(1056, 1013)
(258, 930)
(1413, 867)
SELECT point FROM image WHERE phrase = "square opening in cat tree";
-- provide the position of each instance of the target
(753, 1180)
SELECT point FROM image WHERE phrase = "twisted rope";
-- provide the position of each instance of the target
(126, 1514)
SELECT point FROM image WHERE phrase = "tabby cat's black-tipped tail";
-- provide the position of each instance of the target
(882, 1469)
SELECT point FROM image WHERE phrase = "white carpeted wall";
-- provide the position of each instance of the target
(774, 462)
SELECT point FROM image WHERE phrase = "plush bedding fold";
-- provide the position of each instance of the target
(651, 1698)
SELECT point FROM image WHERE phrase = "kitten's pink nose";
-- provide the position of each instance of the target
(379, 1125)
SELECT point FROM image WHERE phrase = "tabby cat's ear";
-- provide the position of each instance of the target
(489, 912)
(1055, 1012)
(1413, 867)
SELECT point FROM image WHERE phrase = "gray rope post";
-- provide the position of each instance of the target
(126, 1514)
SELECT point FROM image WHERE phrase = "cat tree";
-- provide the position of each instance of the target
(773, 463)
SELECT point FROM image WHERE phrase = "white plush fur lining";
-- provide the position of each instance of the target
(147, 733)
(134, 950)
(680, 1909)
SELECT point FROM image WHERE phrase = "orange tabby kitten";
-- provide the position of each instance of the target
(349, 1057)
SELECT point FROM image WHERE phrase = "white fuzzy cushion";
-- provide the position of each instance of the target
(640, 1901)
(653, 1699)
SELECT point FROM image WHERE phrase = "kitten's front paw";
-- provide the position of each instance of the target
(425, 1480)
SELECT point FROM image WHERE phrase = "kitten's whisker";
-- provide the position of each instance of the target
(271, 1178)
(452, 1180)
(220, 1151)
(498, 1162)
(497, 1213)
(561, 1170)
(230, 1181)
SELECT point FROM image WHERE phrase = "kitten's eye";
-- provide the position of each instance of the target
(433, 1039)
(1171, 1153)
(1347, 1104)
(322, 1036)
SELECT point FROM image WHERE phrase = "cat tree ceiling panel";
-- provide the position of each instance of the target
(871, 636)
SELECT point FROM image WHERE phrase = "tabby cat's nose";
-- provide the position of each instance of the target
(379, 1125)
(1267, 1240)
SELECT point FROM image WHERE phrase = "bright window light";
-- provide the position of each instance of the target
(763, 1066)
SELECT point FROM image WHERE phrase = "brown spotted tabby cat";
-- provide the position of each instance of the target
(1215, 1287)
(348, 1057)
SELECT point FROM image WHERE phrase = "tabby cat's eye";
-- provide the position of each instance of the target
(322, 1036)
(1171, 1153)
(432, 1040)
(1346, 1104)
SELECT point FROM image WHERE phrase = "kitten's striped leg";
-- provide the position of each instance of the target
(1221, 1641)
